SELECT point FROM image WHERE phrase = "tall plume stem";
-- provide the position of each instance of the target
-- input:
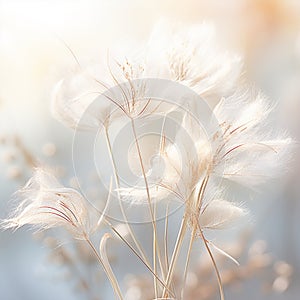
(112, 280)
(117, 181)
(156, 250)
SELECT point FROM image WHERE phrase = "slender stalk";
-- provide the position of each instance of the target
(137, 254)
(199, 205)
(117, 181)
(105, 260)
(166, 239)
(174, 258)
(188, 256)
(213, 262)
(181, 235)
(156, 251)
(113, 281)
(200, 195)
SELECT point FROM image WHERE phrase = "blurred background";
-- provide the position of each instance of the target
(34, 56)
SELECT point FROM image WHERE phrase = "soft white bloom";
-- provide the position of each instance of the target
(178, 168)
(72, 100)
(189, 55)
(219, 214)
(83, 102)
(241, 148)
(45, 203)
(193, 56)
(246, 149)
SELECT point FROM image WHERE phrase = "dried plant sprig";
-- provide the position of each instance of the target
(75, 260)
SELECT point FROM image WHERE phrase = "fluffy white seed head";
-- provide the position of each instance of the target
(192, 56)
(219, 214)
(188, 55)
(45, 203)
(247, 150)
(71, 100)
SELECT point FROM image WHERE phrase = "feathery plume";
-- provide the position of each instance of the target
(188, 55)
(45, 203)
(246, 150)
(219, 214)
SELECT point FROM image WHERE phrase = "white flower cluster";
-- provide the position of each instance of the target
(241, 149)
(190, 168)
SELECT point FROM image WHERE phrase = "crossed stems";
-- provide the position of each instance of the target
(182, 231)
(169, 273)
